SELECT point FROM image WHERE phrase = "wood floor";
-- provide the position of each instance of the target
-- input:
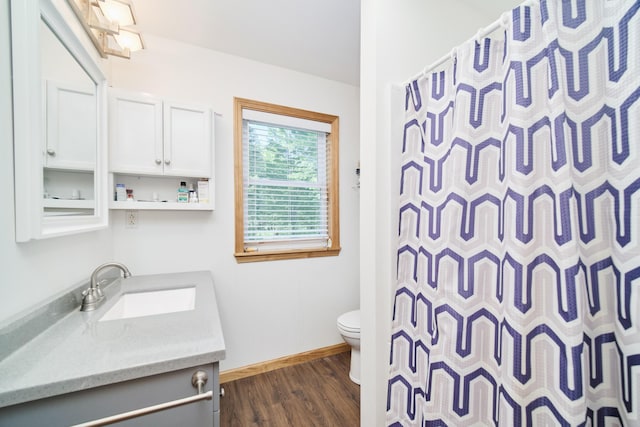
(315, 393)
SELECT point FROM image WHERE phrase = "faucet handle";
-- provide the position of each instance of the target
(89, 300)
(98, 289)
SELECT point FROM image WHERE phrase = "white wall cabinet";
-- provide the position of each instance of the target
(71, 126)
(187, 140)
(153, 138)
(156, 137)
(135, 133)
(59, 126)
(69, 157)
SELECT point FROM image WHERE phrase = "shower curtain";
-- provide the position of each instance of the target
(518, 292)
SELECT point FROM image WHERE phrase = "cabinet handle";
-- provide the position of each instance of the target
(198, 380)
(167, 162)
(51, 152)
(158, 161)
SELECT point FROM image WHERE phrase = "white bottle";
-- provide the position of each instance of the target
(203, 191)
(193, 196)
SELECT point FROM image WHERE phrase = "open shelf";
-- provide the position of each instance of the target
(68, 204)
(160, 206)
(146, 187)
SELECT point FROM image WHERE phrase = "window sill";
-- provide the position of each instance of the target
(242, 257)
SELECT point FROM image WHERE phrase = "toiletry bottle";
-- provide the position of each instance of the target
(183, 193)
(193, 196)
(121, 192)
(203, 190)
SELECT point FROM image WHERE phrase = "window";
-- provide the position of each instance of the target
(286, 182)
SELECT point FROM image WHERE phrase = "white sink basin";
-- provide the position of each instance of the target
(139, 304)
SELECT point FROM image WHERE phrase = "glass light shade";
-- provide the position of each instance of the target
(118, 11)
(129, 39)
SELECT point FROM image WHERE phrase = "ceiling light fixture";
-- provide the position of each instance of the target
(118, 11)
(108, 22)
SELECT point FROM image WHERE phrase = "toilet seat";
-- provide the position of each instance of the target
(350, 321)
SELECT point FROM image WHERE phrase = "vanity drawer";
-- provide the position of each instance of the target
(91, 404)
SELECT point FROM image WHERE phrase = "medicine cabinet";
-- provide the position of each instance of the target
(152, 136)
(59, 113)
(154, 145)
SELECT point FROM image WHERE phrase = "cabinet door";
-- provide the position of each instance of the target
(92, 404)
(187, 141)
(135, 133)
(71, 126)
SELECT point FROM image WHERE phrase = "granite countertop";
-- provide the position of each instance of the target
(79, 352)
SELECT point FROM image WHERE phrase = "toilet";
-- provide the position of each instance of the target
(349, 328)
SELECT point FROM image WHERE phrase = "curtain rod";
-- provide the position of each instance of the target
(501, 22)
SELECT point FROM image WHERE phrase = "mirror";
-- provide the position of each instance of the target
(59, 125)
(70, 109)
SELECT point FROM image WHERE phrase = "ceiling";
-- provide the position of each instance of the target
(319, 37)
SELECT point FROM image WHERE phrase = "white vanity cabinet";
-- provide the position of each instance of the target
(154, 144)
(92, 404)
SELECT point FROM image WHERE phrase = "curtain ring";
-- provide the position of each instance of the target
(504, 20)
(478, 36)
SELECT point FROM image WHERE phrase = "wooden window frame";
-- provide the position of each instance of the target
(333, 188)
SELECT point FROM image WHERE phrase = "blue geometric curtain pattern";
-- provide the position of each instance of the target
(518, 293)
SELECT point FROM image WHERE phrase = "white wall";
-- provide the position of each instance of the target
(32, 273)
(268, 309)
(399, 39)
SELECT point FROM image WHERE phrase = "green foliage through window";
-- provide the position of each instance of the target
(286, 185)
(286, 182)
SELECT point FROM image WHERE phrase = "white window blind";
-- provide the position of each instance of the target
(284, 182)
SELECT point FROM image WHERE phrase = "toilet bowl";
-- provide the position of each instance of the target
(349, 328)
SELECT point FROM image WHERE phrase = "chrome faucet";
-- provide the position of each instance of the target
(92, 297)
